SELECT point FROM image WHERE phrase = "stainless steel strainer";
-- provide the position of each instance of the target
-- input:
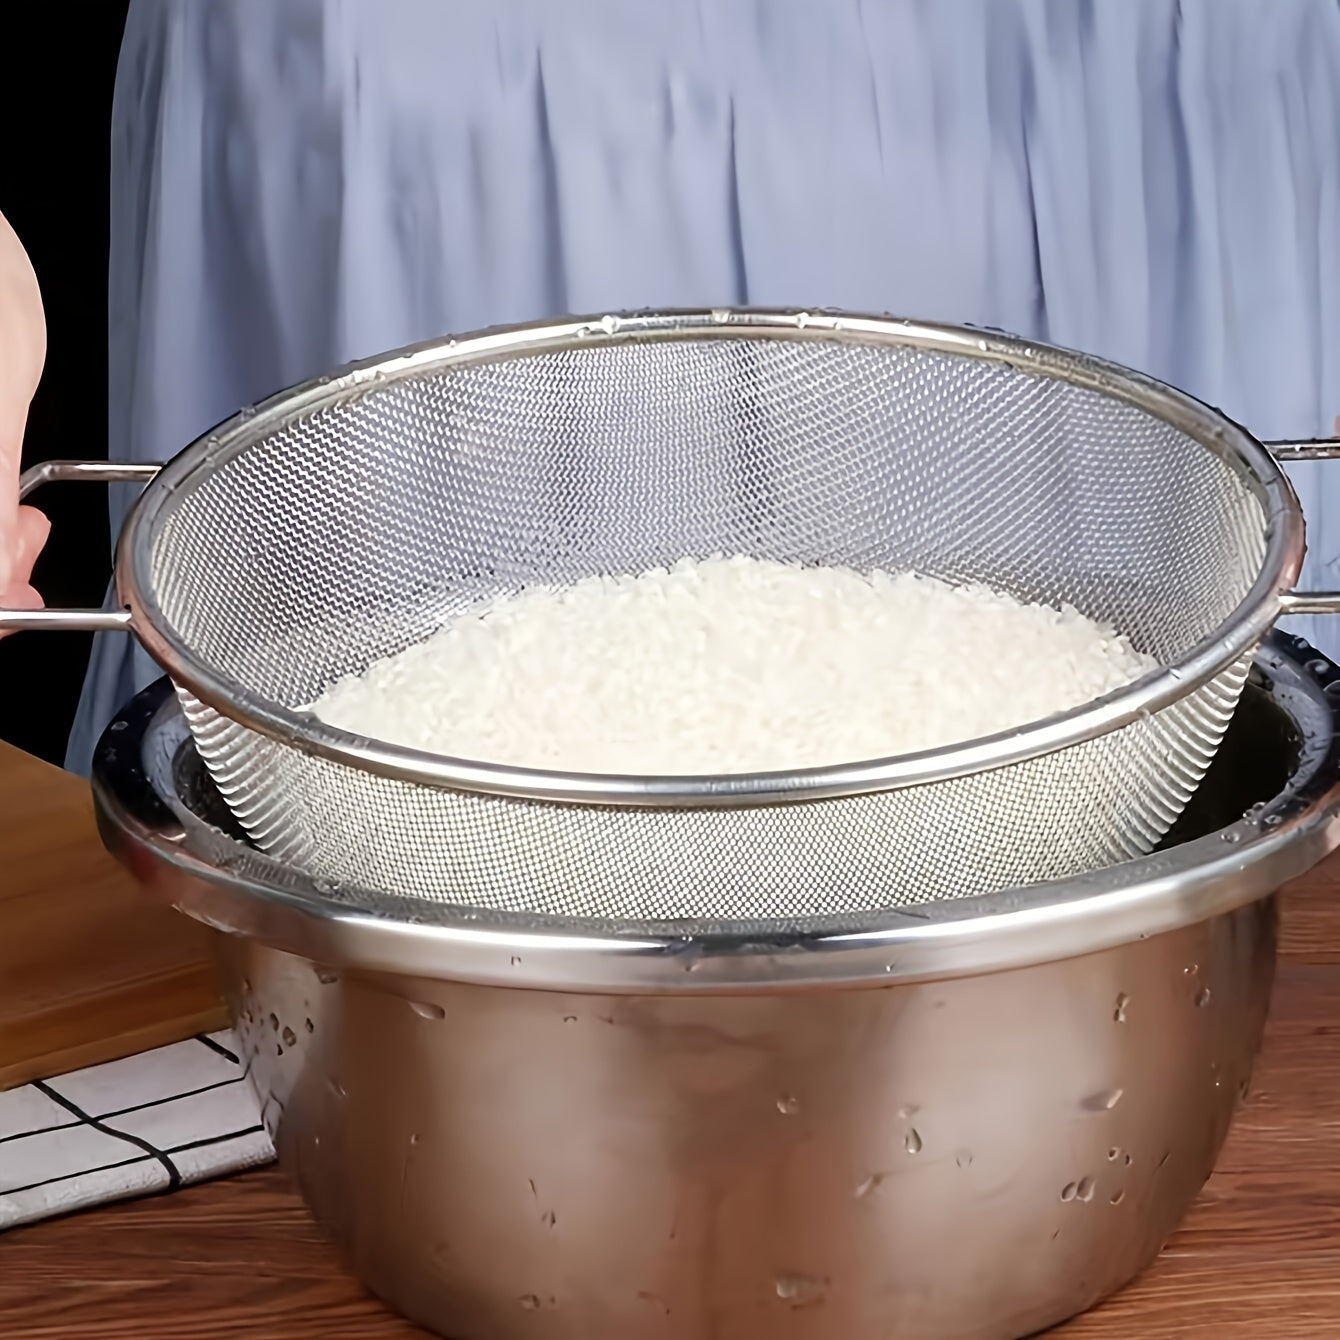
(346, 519)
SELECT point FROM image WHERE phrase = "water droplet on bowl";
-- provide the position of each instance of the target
(1118, 1196)
(529, 1301)
(788, 1105)
(1104, 1101)
(799, 1290)
(963, 1158)
(1119, 1014)
(1069, 1192)
(1113, 1154)
(871, 1183)
(425, 1009)
(1202, 997)
(1084, 1191)
(289, 1036)
(912, 1141)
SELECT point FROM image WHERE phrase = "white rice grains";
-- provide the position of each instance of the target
(731, 665)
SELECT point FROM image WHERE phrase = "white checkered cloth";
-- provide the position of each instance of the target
(150, 1123)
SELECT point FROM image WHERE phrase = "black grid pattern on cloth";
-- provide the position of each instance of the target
(110, 1100)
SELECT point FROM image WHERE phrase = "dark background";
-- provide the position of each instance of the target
(54, 177)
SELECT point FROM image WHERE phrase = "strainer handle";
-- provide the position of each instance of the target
(51, 472)
(1317, 449)
(107, 472)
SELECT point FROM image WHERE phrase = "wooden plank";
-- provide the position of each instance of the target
(238, 1258)
(90, 970)
(1309, 933)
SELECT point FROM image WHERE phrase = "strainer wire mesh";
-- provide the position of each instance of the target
(306, 545)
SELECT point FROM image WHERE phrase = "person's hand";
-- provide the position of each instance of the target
(23, 343)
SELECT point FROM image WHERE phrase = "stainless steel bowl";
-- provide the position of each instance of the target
(966, 1123)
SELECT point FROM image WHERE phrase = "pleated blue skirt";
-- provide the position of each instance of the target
(296, 185)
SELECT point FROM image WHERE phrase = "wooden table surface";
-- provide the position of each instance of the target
(1259, 1255)
(90, 970)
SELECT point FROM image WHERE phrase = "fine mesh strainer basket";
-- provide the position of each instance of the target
(344, 520)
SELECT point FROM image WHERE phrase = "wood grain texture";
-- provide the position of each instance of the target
(90, 971)
(1259, 1254)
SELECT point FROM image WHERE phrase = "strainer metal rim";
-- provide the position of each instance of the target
(1237, 635)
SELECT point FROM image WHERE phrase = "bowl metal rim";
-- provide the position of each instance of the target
(235, 889)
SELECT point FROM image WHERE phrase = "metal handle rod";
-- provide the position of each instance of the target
(64, 621)
(1314, 449)
(1310, 602)
(51, 472)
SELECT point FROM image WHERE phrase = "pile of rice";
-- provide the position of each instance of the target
(731, 665)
